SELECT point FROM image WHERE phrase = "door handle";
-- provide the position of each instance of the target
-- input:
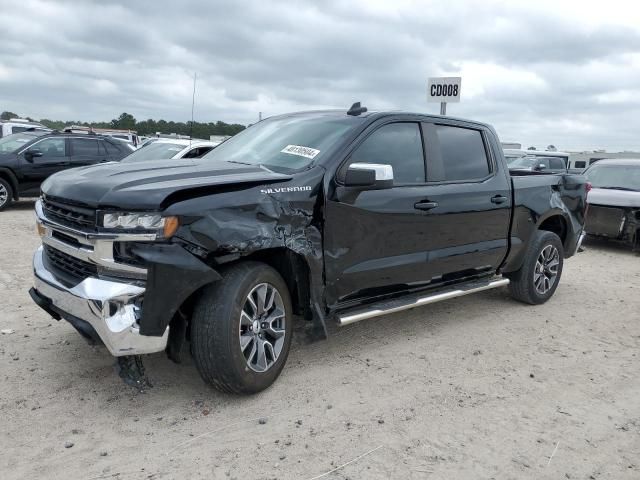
(425, 205)
(498, 199)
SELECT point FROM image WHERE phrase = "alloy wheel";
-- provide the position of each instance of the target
(4, 195)
(546, 270)
(262, 327)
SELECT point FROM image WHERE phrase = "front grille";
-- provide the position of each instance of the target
(71, 266)
(70, 215)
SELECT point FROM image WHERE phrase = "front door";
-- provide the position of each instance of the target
(375, 239)
(49, 156)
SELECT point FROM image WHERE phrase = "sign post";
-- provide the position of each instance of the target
(444, 90)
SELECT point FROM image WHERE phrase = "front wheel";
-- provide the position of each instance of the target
(538, 278)
(241, 329)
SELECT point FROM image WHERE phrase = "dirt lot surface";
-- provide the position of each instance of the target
(478, 387)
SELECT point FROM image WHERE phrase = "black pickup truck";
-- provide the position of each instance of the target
(328, 216)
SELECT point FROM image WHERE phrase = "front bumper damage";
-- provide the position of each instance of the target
(127, 308)
(109, 309)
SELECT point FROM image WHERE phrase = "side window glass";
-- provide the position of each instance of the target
(557, 164)
(398, 145)
(111, 149)
(462, 152)
(51, 147)
(82, 146)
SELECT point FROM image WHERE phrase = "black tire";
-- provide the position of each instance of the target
(215, 330)
(6, 194)
(522, 286)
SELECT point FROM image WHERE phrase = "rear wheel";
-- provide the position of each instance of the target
(241, 329)
(538, 278)
(6, 194)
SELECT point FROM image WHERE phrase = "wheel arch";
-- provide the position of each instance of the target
(556, 223)
(295, 271)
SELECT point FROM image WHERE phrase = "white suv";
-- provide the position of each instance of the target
(18, 125)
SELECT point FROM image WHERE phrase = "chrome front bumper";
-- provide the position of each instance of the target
(107, 306)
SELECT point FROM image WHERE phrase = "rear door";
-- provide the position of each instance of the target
(468, 226)
(86, 151)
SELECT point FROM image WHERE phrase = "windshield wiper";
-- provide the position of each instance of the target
(625, 189)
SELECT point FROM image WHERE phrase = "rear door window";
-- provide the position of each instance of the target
(462, 154)
(111, 149)
(557, 164)
(84, 147)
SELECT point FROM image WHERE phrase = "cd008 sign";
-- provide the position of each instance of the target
(444, 89)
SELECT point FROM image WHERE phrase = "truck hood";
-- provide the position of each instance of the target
(614, 198)
(146, 185)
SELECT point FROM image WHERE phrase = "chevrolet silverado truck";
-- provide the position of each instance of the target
(325, 217)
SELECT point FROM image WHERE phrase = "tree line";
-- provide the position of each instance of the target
(126, 121)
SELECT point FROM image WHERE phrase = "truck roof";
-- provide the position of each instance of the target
(372, 115)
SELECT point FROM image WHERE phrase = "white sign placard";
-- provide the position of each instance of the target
(444, 89)
(301, 151)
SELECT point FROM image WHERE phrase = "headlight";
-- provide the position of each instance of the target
(148, 221)
(141, 221)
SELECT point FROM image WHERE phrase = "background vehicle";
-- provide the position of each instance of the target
(128, 136)
(18, 125)
(538, 163)
(333, 216)
(614, 200)
(28, 158)
(164, 148)
(512, 155)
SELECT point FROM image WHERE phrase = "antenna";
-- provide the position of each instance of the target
(193, 102)
(356, 109)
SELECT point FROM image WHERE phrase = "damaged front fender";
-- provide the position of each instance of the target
(173, 275)
(224, 226)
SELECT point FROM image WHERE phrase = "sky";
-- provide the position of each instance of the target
(542, 72)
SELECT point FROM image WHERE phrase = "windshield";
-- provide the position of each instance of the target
(11, 143)
(622, 177)
(155, 151)
(284, 144)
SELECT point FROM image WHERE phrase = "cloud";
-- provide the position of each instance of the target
(546, 72)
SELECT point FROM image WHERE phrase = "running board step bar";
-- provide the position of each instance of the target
(397, 305)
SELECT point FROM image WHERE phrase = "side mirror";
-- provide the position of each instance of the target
(29, 155)
(541, 166)
(372, 175)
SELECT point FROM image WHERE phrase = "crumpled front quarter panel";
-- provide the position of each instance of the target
(231, 224)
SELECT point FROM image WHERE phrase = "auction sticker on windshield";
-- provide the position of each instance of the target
(306, 152)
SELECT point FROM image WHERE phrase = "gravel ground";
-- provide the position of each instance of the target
(477, 387)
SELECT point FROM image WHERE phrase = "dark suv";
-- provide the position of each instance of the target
(28, 158)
